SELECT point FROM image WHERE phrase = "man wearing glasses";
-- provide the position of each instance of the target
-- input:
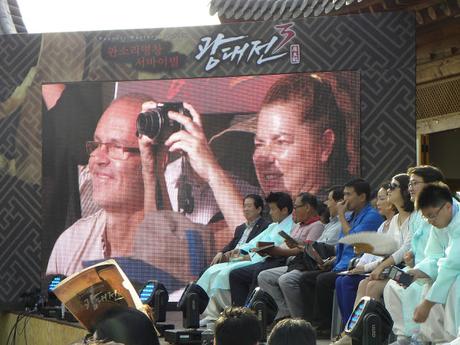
(128, 226)
(438, 310)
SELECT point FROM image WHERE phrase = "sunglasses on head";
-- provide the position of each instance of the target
(393, 186)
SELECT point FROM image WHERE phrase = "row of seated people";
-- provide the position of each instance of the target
(304, 289)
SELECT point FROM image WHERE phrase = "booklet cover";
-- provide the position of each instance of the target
(92, 292)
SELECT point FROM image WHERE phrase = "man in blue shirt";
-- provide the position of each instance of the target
(318, 286)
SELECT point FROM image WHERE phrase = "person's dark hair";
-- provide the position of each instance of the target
(237, 325)
(360, 186)
(292, 332)
(309, 199)
(281, 200)
(258, 201)
(337, 192)
(403, 180)
(323, 213)
(374, 194)
(125, 325)
(434, 195)
(320, 111)
(428, 173)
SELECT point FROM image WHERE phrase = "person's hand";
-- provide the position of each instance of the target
(218, 258)
(342, 207)
(376, 274)
(148, 173)
(422, 311)
(291, 244)
(409, 259)
(270, 251)
(417, 274)
(328, 263)
(192, 140)
(357, 270)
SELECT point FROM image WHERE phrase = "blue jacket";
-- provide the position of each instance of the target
(368, 219)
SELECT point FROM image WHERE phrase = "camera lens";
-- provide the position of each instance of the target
(149, 123)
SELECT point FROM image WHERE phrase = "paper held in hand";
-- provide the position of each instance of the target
(376, 242)
(93, 291)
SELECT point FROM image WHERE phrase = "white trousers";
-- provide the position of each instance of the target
(443, 321)
(218, 302)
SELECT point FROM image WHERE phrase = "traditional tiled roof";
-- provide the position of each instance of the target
(10, 18)
(426, 11)
(275, 9)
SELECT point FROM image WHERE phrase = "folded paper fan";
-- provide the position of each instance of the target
(378, 243)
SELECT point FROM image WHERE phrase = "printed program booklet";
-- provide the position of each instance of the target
(95, 290)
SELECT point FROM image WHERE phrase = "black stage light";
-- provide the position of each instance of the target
(51, 282)
(265, 308)
(51, 306)
(370, 323)
(192, 303)
(156, 296)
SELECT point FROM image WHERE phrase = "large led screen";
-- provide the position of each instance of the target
(163, 205)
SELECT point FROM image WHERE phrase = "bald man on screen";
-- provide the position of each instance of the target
(128, 227)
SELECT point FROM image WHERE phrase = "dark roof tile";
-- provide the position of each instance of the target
(275, 9)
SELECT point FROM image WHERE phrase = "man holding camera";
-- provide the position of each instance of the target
(128, 226)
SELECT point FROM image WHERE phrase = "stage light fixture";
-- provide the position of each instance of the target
(192, 303)
(265, 308)
(370, 323)
(51, 282)
(156, 296)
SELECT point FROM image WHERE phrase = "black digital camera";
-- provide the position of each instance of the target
(155, 122)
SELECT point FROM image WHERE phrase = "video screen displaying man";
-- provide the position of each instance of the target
(291, 133)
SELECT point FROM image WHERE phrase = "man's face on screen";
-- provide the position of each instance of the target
(286, 156)
(117, 183)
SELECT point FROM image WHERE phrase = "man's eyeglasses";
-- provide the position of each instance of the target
(393, 186)
(434, 215)
(298, 206)
(114, 151)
